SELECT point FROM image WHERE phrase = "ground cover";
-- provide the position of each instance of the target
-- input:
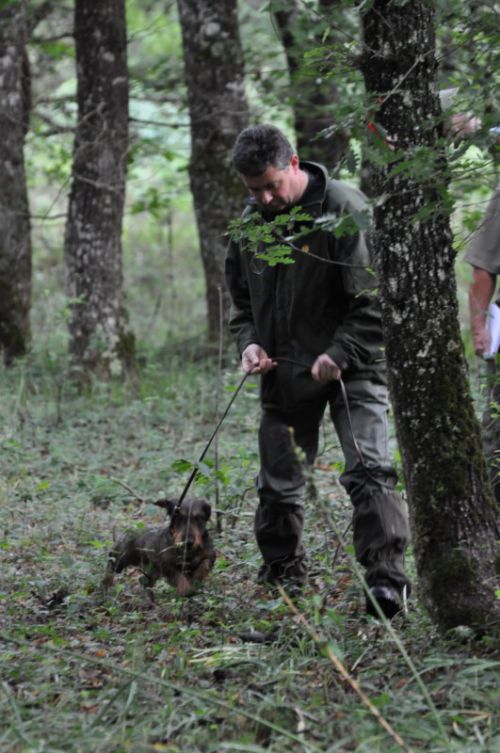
(231, 668)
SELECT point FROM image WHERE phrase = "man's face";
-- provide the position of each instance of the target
(277, 189)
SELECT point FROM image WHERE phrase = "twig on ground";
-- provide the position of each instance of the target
(394, 637)
(341, 669)
(135, 494)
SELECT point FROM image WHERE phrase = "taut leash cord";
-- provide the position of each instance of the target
(200, 459)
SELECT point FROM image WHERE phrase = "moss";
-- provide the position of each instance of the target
(438, 429)
(452, 595)
(125, 349)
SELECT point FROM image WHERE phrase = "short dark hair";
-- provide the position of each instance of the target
(259, 147)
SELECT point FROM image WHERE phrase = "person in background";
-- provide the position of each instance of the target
(304, 327)
(484, 256)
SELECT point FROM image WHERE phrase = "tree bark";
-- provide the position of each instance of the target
(214, 73)
(15, 231)
(100, 340)
(454, 516)
(313, 94)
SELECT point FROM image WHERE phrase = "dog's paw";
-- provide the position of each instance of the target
(203, 570)
(182, 584)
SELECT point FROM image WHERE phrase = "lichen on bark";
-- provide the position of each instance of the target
(100, 338)
(453, 513)
(214, 73)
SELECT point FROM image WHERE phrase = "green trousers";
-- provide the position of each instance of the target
(288, 443)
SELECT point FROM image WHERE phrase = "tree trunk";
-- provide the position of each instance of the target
(313, 94)
(213, 63)
(15, 231)
(100, 340)
(454, 517)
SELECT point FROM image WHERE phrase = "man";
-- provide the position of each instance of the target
(484, 256)
(304, 326)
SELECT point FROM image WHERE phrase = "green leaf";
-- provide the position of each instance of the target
(182, 465)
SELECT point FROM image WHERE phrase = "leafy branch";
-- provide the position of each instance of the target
(276, 240)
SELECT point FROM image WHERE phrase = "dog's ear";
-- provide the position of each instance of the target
(166, 504)
(207, 510)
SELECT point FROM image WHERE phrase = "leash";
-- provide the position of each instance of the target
(207, 447)
(228, 408)
(346, 405)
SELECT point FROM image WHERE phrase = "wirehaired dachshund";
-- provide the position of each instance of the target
(182, 551)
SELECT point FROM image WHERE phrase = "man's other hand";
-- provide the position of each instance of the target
(325, 369)
(480, 338)
(255, 360)
(462, 124)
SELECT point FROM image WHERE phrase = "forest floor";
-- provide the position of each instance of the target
(232, 667)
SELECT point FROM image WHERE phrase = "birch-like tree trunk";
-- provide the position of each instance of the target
(100, 340)
(15, 231)
(454, 516)
(214, 73)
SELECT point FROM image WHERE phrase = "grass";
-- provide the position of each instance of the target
(231, 668)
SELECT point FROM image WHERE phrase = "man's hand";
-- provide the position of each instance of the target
(480, 337)
(325, 370)
(462, 124)
(481, 290)
(255, 360)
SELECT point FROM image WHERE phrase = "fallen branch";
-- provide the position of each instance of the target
(135, 494)
(343, 672)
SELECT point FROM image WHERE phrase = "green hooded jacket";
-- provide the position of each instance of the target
(301, 310)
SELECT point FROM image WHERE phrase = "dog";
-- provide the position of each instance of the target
(182, 551)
